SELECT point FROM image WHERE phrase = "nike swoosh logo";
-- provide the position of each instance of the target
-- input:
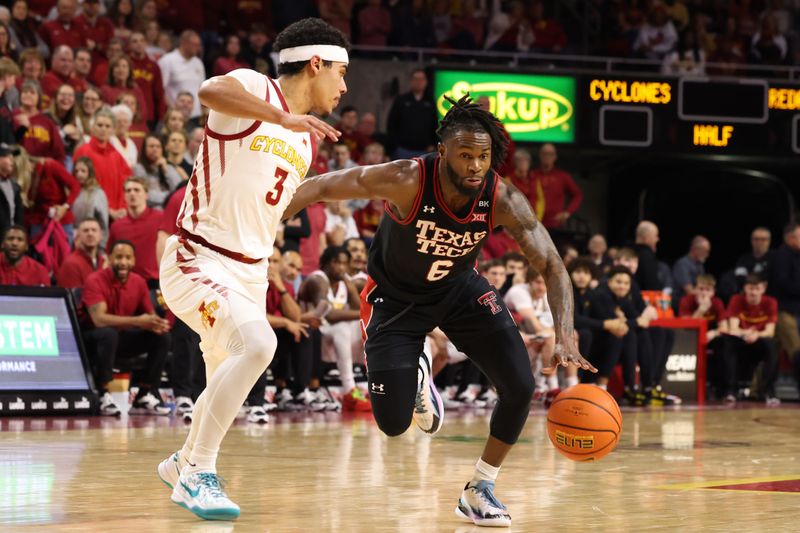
(192, 493)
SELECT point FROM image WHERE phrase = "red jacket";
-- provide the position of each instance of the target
(100, 32)
(555, 186)
(110, 168)
(26, 272)
(77, 267)
(55, 33)
(53, 183)
(51, 81)
(147, 75)
(42, 138)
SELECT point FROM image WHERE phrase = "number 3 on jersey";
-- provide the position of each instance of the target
(274, 196)
(439, 270)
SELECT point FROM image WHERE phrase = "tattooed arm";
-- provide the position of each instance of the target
(513, 211)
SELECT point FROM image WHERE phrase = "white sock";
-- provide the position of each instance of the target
(569, 381)
(604, 387)
(485, 472)
(552, 381)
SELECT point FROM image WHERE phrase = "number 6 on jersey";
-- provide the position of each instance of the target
(439, 270)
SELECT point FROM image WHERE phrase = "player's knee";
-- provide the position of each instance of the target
(261, 346)
(393, 425)
(517, 390)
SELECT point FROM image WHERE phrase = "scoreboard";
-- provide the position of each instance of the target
(690, 115)
(695, 115)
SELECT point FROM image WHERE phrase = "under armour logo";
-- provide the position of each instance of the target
(378, 300)
(490, 300)
(483, 203)
(428, 209)
(377, 388)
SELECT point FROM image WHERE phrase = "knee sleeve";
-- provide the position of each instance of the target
(392, 394)
(260, 345)
(502, 357)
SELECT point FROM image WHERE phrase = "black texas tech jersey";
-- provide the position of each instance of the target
(422, 257)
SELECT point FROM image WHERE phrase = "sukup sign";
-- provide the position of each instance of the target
(532, 108)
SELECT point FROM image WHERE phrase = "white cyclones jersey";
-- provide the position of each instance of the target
(245, 175)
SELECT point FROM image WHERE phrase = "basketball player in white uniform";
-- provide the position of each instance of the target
(259, 143)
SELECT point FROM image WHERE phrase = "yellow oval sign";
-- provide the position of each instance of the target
(521, 108)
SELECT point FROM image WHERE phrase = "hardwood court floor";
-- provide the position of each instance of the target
(309, 473)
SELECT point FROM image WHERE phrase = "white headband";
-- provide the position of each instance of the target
(327, 52)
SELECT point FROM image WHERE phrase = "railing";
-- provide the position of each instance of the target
(560, 61)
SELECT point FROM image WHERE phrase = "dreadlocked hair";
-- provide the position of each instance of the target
(465, 115)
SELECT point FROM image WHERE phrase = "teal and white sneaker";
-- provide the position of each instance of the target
(202, 494)
(169, 470)
(479, 506)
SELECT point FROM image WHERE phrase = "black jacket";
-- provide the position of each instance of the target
(784, 283)
(7, 218)
(412, 123)
(647, 274)
(603, 306)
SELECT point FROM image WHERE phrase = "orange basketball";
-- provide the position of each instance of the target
(584, 423)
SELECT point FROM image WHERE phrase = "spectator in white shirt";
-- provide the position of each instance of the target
(120, 140)
(339, 223)
(183, 71)
(657, 37)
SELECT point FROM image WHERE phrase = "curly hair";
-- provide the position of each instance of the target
(306, 32)
(466, 115)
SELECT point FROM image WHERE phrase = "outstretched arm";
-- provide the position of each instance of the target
(396, 182)
(226, 95)
(513, 211)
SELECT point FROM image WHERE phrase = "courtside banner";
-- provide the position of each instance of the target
(532, 108)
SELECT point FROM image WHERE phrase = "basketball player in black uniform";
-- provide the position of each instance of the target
(439, 209)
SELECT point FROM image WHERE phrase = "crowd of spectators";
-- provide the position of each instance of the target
(100, 125)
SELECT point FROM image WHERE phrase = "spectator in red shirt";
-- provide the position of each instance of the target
(374, 24)
(230, 58)
(41, 8)
(120, 80)
(87, 257)
(99, 30)
(311, 246)
(122, 324)
(41, 135)
(368, 218)
(64, 30)
(548, 35)
(62, 72)
(140, 226)
(354, 140)
(294, 355)
(752, 316)
(555, 185)
(115, 50)
(110, 167)
(147, 75)
(16, 268)
(33, 66)
(704, 304)
(51, 191)
(83, 67)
